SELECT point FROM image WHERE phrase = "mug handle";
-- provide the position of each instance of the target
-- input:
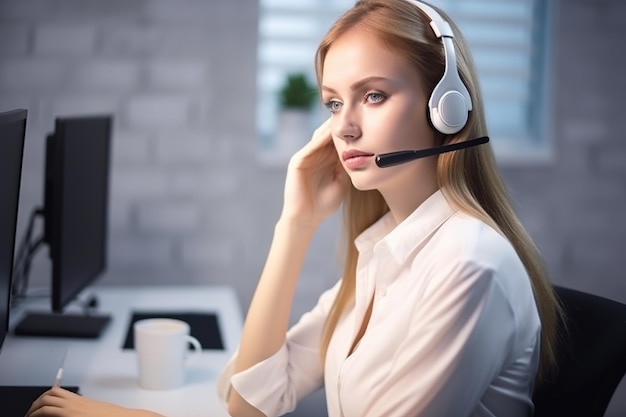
(197, 347)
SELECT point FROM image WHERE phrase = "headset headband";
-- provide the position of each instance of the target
(450, 100)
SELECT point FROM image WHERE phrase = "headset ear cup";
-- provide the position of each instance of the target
(450, 101)
(450, 114)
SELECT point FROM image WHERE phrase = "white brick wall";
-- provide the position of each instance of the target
(203, 252)
(139, 183)
(140, 253)
(167, 217)
(104, 75)
(154, 111)
(64, 40)
(176, 75)
(131, 148)
(39, 74)
(187, 148)
(19, 35)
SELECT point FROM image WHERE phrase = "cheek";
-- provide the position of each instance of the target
(391, 127)
(407, 127)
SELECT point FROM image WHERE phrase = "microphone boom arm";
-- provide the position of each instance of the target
(397, 158)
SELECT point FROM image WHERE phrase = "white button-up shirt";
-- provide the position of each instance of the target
(454, 329)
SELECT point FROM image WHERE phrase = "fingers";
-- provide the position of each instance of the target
(315, 181)
(321, 137)
(319, 151)
(48, 402)
(44, 402)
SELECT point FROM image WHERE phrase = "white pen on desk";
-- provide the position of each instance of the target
(57, 379)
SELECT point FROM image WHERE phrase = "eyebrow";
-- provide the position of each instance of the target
(357, 84)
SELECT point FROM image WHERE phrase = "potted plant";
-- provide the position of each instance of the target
(296, 93)
(296, 98)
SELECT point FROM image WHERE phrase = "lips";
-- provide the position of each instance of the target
(354, 153)
(355, 159)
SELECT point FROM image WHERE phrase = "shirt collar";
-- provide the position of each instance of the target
(402, 239)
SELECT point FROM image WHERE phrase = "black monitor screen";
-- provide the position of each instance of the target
(12, 130)
(76, 203)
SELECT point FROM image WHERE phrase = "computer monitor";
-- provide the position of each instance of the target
(75, 213)
(76, 198)
(12, 131)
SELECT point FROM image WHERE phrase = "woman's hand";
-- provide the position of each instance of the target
(58, 402)
(316, 182)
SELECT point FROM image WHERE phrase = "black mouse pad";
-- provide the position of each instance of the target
(204, 327)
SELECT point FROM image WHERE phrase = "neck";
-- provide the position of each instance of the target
(402, 203)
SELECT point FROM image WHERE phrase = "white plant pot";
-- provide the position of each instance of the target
(292, 131)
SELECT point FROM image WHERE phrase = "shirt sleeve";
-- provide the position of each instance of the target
(276, 384)
(462, 332)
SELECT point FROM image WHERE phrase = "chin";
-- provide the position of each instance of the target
(362, 184)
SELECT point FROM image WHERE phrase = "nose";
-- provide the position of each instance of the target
(347, 126)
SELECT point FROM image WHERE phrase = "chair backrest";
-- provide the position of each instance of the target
(592, 357)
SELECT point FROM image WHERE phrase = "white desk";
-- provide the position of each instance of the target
(104, 371)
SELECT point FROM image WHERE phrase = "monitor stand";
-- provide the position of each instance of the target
(62, 325)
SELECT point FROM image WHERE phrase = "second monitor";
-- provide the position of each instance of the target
(12, 130)
(75, 213)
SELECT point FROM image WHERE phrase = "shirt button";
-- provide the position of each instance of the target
(383, 292)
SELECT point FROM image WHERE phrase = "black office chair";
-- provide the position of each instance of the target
(592, 357)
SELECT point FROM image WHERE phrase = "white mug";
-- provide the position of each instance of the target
(161, 345)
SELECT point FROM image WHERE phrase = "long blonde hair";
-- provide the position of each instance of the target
(469, 178)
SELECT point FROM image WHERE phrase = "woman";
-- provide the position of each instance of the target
(443, 308)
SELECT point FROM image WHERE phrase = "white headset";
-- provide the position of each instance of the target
(450, 102)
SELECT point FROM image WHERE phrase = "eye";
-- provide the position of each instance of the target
(375, 97)
(333, 105)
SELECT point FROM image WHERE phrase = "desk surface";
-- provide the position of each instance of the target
(105, 371)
